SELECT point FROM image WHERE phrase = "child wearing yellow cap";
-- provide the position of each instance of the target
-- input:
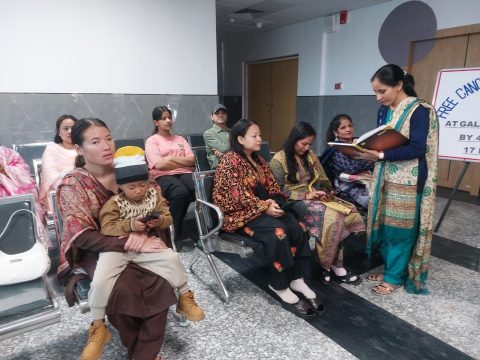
(125, 213)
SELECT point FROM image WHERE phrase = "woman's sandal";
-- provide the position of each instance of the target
(347, 279)
(375, 277)
(324, 275)
(385, 288)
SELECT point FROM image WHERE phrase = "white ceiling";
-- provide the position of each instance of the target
(276, 13)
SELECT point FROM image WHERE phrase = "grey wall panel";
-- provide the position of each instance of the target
(28, 118)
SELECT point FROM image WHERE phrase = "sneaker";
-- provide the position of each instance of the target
(98, 336)
(188, 307)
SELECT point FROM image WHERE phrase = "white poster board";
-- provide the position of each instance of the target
(457, 101)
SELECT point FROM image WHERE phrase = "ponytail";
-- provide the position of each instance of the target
(409, 84)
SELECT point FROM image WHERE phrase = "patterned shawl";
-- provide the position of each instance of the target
(79, 197)
(297, 191)
(406, 172)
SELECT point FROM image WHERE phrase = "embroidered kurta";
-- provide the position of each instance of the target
(330, 227)
(235, 190)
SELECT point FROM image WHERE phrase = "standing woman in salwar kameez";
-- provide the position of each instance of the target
(400, 214)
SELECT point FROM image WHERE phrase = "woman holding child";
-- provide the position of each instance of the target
(139, 302)
(400, 214)
(301, 176)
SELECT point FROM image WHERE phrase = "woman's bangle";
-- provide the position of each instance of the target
(381, 155)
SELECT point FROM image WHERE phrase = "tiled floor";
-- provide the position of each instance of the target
(357, 324)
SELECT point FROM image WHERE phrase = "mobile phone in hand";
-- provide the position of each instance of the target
(150, 216)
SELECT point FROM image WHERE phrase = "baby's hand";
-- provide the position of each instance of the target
(137, 225)
(154, 223)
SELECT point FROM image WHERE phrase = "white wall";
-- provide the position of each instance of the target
(349, 55)
(352, 54)
(303, 39)
(108, 46)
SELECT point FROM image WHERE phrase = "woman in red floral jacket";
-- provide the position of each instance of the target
(247, 192)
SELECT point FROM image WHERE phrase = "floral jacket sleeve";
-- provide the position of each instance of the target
(234, 190)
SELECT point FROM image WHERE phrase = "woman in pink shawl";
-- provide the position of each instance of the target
(15, 179)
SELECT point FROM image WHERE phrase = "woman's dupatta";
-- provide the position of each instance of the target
(420, 257)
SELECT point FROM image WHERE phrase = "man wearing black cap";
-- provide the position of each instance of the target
(217, 138)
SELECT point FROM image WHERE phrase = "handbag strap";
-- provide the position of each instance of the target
(37, 238)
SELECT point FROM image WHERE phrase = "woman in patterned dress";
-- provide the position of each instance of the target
(298, 171)
(400, 214)
(350, 177)
(247, 192)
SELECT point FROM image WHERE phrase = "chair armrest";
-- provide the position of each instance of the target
(219, 212)
(171, 230)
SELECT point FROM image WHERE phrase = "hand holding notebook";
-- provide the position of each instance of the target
(380, 139)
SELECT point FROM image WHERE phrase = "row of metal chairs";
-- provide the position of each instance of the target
(27, 306)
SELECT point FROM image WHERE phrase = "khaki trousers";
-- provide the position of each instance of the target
(165, 263)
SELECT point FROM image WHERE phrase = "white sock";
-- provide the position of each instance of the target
(341, 271)
(300, 286)
(286, 295)
(327, 278)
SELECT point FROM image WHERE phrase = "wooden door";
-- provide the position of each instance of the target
(454, 48)
(284, 101)
(260, 96)
(272, 98)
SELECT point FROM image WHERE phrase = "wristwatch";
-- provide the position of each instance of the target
(381, 155)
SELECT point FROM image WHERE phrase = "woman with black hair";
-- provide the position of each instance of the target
(350, 177)
(400, 213)
(57, 160)
(171, 162)
(301, 176)
(139, 303)
(247, 192)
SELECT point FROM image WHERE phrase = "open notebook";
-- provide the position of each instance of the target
(381, 138)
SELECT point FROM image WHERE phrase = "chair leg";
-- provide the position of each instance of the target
(215, 271)
(195, 256)
(197, 253)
